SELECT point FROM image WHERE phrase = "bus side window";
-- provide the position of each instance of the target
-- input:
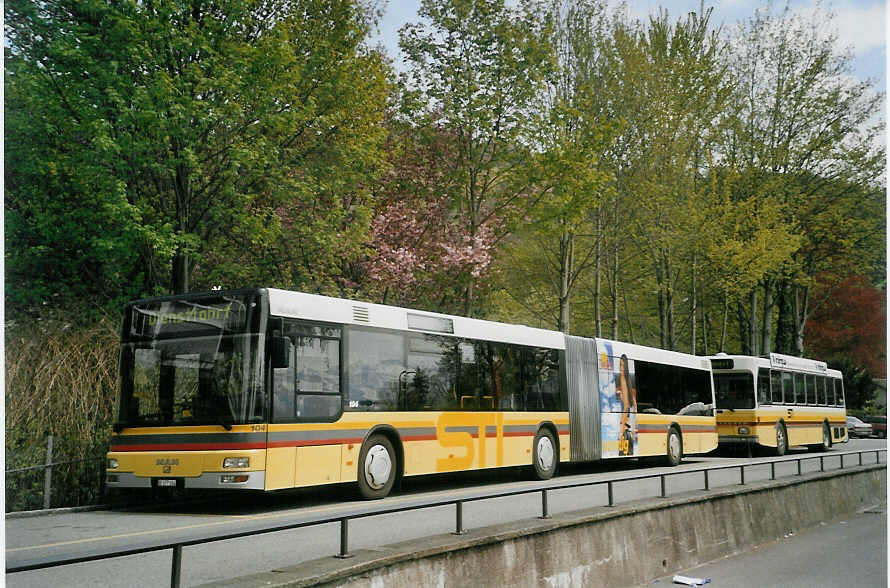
(375, 369)
(820, 390)
(763, 394)
(283, 380)
(800, 394)
(839, 391)
(542, 380)
(669, 389)
(775, 386)
(787, 388)
(811, 388)
(317, 371)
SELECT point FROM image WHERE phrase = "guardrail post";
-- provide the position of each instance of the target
(799, 471)
(611, 494)
(742, 475)
(821, 463)
(663, 487)
(860, 458)
(344, 540)
(842, 461)
(707, 481)
(176, 571)
(878, 456)
(772, 470)
(545, 512)
(48, 473)
(459, 518)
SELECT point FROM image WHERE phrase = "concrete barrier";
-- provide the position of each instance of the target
(626, 545)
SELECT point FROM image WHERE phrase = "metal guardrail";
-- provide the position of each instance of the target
(368, 511)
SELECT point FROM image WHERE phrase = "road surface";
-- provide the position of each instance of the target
(70, 533)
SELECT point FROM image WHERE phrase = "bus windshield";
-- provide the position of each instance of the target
(734, 390)
(191, 361)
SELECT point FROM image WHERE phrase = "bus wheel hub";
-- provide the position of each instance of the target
(378, 467)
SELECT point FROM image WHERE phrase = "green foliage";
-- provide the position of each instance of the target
(156, 132)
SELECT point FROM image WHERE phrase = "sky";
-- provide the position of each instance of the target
(860, 25)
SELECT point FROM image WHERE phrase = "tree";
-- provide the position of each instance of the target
(478, 65)
(685, 85)
(203, 124)
(420, 252)
(802, 132)
(850, 325)
(559, 240)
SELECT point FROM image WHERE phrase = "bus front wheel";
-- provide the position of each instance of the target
(544, 455)
(674, 447)
(376, 467)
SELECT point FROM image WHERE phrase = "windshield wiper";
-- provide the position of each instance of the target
(224, 423)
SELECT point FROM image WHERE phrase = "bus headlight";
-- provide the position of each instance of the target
(744, 430)
(112, 464)
(236, 462)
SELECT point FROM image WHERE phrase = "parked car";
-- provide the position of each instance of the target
(878, 425)
(856, 428)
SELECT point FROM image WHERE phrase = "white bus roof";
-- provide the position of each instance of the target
(313, 307)
(778, 361)
(653, 354)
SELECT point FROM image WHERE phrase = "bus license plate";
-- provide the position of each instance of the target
(167, 483)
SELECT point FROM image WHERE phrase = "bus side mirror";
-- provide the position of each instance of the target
(280, 352)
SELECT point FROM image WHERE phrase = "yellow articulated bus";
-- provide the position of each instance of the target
(778, 402)
(266, 389)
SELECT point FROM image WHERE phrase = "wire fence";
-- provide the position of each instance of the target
(58, 482)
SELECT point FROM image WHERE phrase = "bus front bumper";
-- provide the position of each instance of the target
(235, 480)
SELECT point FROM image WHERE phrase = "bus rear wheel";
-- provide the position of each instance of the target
(826, 438)
(674, 447)
(781, 440)
(545, 455)
(376, 467)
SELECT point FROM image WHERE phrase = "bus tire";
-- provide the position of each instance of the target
(781, 439)
(377, 466)
(674, 453)
(826, 438)
(545, 454)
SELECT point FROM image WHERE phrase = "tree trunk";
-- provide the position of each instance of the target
(181, 272)
(725, 323)
(743, 329)
(598, 276)
(615, 294)
(630, 325)
(566, 267)
(752, 324)
(766, 341)
(785, 323)
(671, 334)
(661, 305)
(800, 300)
(704, 328)
(692, 309)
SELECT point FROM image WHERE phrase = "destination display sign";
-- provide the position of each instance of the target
(188, 317)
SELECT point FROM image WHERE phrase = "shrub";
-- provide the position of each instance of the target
(61, 380)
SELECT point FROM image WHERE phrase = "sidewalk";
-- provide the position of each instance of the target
(843, 552)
